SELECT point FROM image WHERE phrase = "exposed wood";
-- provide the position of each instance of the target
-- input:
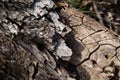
(46, 40)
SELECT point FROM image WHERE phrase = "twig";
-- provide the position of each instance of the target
(97, 13)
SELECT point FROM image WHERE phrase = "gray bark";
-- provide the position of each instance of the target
(46, 40)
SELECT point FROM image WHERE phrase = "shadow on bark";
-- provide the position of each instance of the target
(77, 48)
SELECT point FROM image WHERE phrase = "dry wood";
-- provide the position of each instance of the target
(35, 35)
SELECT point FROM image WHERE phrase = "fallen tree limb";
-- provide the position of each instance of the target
(43, 40)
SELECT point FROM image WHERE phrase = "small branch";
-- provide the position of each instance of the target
(97, 13)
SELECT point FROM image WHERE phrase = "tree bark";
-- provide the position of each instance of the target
(46, 40)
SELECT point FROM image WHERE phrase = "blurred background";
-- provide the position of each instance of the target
(107, 12)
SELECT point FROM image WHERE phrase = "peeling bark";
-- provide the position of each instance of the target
(46, 40)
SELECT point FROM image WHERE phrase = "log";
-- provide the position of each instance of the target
(50, 40)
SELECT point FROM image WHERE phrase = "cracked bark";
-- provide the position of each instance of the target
(43, 40)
